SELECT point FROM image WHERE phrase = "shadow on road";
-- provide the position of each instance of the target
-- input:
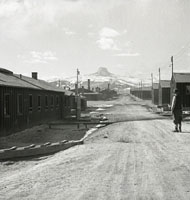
(138, 119)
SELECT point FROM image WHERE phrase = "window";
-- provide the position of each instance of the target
(7, 104)
(39, 103)
(57, 100)
(19, 104)
(46, 102)
(30, 102)
(52, 101)
(188, 89)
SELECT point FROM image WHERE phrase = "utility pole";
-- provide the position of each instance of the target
(172, 60)
(76, 92)
(159, 75)
(159, 89)
(78, 108)
(172, 84)
(141, 90)
(152, 79)
(152, 88)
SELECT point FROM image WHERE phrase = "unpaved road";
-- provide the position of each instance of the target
(138, 159)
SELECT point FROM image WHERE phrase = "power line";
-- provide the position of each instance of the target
(183, 49)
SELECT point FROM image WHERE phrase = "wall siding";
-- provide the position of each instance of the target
(16, 122)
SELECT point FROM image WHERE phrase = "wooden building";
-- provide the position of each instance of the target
(93, 96)
(181, 81)
(144, 93)
(26, 101)
(155, 88)
(164, 93)
(135, 92)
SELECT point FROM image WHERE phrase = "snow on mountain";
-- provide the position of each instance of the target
(102, 71)
(101, 78)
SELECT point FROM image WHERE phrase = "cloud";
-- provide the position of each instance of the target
(107, 44)
(127, 54)
(35, 57)
(108, 33)
(107, 39)
(67, 31)
(21, 18)
(8, 8)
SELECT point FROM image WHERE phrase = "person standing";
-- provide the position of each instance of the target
(176, 109)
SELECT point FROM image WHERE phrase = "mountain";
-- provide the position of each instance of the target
(103, 71)
(101, 79)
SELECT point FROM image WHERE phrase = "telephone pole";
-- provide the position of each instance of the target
(77, 82)
(172, 60)
(152, 79)
(159, 89)
(152, 92)
(159, 75)
(141, 90)
(78, 108)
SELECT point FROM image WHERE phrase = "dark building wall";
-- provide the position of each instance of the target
(83, 104)
(136, 93)
(165, 96)
(143, 94)
(185, 96)
(155, 96)
(93, 96)
(17, 114)
(146, 95)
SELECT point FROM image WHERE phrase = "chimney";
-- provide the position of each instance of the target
(97, 89)
(82, 89)
(35, 75)
(108, 86)
(88, 84)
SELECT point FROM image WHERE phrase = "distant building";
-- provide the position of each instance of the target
(108, 94)
(135, 91)
(146, 93)
(164, 92)
(155, 88)
(142, 92)
(181, 81)
(88, 94)
(93, 96)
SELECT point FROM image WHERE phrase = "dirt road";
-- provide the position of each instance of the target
(138, 159)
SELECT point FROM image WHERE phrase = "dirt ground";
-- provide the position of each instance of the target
(140, 158)
(42, 134)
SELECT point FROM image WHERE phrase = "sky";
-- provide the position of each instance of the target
(128, 37)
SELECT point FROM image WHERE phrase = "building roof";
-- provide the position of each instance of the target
(155, 85)
(11, 80)
(182, 77)
(16, 80)
(165, 83)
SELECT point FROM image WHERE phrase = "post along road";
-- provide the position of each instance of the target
(140, 158)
